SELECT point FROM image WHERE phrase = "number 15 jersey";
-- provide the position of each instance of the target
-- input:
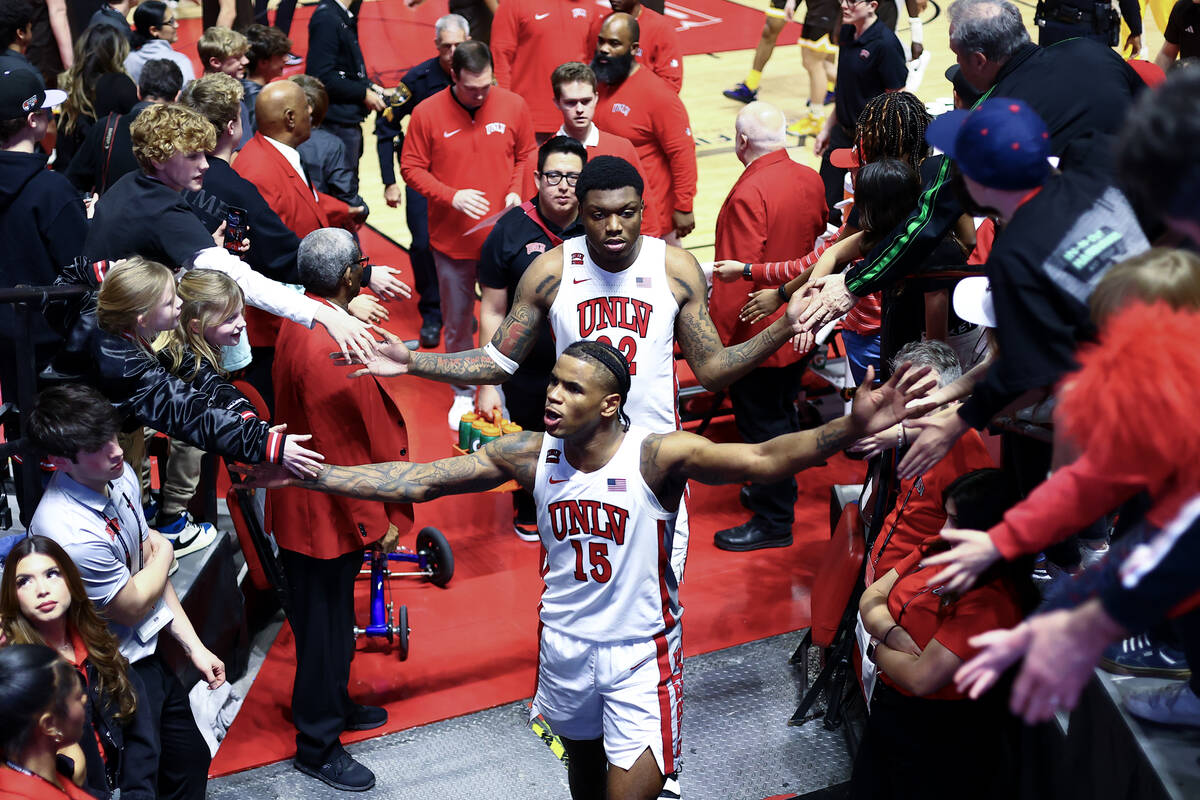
(632, 310)
(607, 543)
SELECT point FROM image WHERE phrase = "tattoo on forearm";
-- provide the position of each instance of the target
(834, 437)
(472, 366)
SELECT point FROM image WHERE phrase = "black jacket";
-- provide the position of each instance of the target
(206, 412)
(129, 761)
(95, 167)
(273, 246)
(335, 57)
(42, 224)
(1077, 87)
(419, 83)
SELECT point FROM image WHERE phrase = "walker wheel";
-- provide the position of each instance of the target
(402, 632)
(439, 560)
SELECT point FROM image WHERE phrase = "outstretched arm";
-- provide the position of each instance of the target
(512, 456)
(512, 340)
(680, 455)
(715, 365)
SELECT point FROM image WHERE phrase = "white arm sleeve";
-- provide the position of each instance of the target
(261, 292)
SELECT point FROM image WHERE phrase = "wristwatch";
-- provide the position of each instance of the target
(871, 649)
(746, 276)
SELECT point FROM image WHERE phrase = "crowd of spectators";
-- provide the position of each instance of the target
(1026, 247)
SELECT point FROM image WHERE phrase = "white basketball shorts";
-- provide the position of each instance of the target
(629, 693)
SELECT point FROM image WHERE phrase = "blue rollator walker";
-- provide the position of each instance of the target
(434, 561)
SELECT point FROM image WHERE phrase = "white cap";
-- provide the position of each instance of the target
(973, 301)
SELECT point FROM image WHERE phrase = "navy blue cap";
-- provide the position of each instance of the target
(1001, 144)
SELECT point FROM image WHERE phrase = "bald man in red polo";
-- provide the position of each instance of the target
(658, 46)
(467, 150)
(775, 208)
(532, 37)
(636, 104)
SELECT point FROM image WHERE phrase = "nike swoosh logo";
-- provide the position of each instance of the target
(580, 280)
(560, 480)
(541, 16)
(448, 134)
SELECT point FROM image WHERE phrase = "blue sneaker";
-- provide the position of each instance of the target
(185, 535)
(1140, 655)
(742, 93)
(829, 98)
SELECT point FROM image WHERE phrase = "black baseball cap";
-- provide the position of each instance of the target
(21, 93)
(969, 94)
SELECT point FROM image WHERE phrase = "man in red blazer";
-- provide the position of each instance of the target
(321, 537)
(775, 210)
(271, 162)
(532, 37)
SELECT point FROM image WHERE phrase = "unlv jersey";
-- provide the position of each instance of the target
(607, 543)
(632, 310)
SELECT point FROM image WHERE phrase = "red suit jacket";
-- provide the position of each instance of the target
(351, 422)
(774, 212)
(292, 199)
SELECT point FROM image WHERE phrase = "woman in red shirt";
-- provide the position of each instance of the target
(919, 637)
(43, 602)
(42, 706)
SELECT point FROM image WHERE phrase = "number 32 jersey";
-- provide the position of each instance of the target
(607, 546)
(632, 310)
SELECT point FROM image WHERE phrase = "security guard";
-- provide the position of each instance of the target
(424, 80)
(1069, 19)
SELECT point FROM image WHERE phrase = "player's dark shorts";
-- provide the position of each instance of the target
(821, 18)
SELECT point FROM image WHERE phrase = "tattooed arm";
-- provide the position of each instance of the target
(672, 458)
(715, 365)
(513, 339)
(511, 456)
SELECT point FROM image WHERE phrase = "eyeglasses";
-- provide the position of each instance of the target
(173, 23)
(362, 261)
(555, 178)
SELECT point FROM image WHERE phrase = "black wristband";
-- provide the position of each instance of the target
(783, 293)
(366, 275)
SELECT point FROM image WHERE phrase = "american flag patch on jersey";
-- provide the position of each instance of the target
(642, 283)
(616, 484)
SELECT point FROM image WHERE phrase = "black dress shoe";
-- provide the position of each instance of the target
(365, 718)
(430, 335)
(341, 772)
(751, 535)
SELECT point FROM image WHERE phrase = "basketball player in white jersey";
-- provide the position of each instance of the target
(613, 285)
(610, 664)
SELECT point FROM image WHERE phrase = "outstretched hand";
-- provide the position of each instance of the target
(391, 357)
(263, 476)
(827, 299)
(972, 552)
(877, 408)
(936, 434)
(998, 650)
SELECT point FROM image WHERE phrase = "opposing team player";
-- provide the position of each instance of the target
(610, 666)
(613, 285)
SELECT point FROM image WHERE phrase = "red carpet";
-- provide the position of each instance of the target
(473, 643)
(395, 38)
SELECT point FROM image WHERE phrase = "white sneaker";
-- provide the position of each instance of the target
(463, 404)
(1174, 704)
(186, 535)
(671, 790)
